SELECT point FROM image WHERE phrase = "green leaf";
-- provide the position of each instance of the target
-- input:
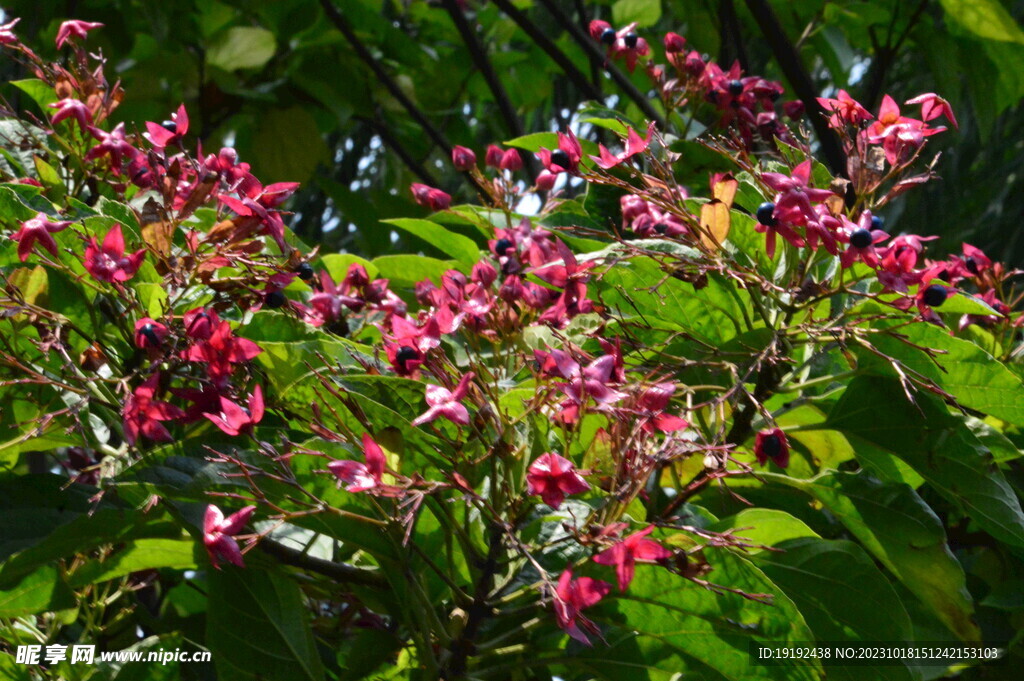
(409, 270)
(963, 369)
(457, 246)
(765, 526)
(842, 596)
(288, 145)
(257, 627)
(893, 523)
(242, 47)
(985, 18)
(937, 445)
(42, 591)
(337, 265)
(665, 623)
(644, 12)
(142, 554)
(38, 91)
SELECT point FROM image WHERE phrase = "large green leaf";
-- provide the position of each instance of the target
(457, 246)
(257, 627)
(665, 624)
(842, 596)
(142, 554)
(900, 530)
(985, 18)
(43, 590)
(963, 369)
(937, 445)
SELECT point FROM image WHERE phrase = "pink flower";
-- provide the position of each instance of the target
(933, 106)
(463, 158)
(235, 420)
(7, 36)
(634, 548)
(654, 401)
(429, 197)
(357, 476)
(845, 110)
(74, 29)
(553, 478)
(108, 262)
(511, 161)
(38, 229)
(446, 403)
(565, 158)
(574, 596)
(112, 144)
(218, 534)
(72, 108)
(142, 415)
(493, 156)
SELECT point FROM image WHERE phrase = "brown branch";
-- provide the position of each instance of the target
(339, 572)
(363, 53)
(794, 70)
(884, 56)
(731, 36)
(591, 48)
(590, 90)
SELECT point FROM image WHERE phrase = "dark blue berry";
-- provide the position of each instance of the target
(772, 445)
(661, 228)
(971, 264)
(149, 332)
(170, 125)
(274, 299)
(861, 238)
(608, 36)
(934, 295)
(503, 245)
(735, 87)
(305, 271)
(561, 159)
(766, 214)
(405, 354)
(630, 39)
(877, 222)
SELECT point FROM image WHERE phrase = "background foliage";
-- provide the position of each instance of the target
(281, 82)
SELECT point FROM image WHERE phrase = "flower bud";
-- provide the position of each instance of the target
(463, 158)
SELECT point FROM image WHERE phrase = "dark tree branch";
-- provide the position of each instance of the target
(483, 63)
(584, 22)
(545, 43)
(363, 53)
(590, 47)
(415, 166)
(339, 572)
(731, 36)
(793, 68)
(884, 56)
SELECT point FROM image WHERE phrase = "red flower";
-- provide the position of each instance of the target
(218, 534)
(329, 300)
(220, 350)
(109, 263)
(429, 197)
(634, 145)
(674, 42)
(143, 415)
(572, 597)
(74, 28)
(845, 110)
(772, 444)
(511, 161)
(72, 108)
(654, 402)
(463, 158)
(38, 229)
(235, 420)
(565, 158)
(493, 156)
(553, 478)
(357, 476)
(149, 334)
(160, 136)
(624, 555)
(446, 403)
